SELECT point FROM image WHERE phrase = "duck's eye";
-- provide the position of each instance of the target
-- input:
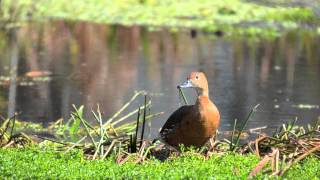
(197, 78)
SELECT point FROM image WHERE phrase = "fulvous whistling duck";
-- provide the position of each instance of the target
(192, 125)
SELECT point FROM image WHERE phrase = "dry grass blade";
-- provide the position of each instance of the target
(75, 144)
(148, 151)
(97, 150)
(141, 151)
(122, 160)
(299, 159)
(262, 163)
(257, 144)
(131, 126)
(52, 140)
(87, 130)
(109, 149)
(131, 113)
(124, 107)
(275, 162)
(102, 133)
(8, 144)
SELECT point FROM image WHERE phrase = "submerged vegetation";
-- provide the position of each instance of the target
(231, 16)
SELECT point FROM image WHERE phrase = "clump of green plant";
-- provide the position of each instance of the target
(98, 139)
(9, 138)
(15, 163)
(105, 136)
(74, 165)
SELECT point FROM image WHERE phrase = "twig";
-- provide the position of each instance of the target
(299, 159)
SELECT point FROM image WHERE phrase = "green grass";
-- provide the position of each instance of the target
(36, 163)
(232, 16)
(309, 169)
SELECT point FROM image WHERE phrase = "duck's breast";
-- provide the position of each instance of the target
(210, 116)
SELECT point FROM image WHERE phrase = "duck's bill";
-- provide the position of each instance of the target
(186, 84)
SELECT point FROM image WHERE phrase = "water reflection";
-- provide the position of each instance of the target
(96, 64)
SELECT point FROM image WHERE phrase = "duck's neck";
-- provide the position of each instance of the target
(203, 92)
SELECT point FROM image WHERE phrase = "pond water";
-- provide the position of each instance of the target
(89, 64)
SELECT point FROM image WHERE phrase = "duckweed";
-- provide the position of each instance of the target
(36, 163)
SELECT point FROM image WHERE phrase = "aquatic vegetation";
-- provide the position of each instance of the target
(25, 80)
(306, 106)
(231, 16)
(15, 163)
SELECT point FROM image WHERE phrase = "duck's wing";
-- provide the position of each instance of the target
(175, 120)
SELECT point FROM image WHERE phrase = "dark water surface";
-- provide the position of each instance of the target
(96, 64)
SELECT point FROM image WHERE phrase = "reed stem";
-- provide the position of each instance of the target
(245, 124)
(183, 96)
(232, 135)
(144, 120)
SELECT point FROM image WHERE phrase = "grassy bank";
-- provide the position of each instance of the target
(35, 163)
(230, 16)
(105, 149)
(118, 152)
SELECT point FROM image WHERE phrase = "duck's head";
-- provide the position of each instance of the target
(198, 81)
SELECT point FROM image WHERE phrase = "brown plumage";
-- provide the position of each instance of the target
(192, 125)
